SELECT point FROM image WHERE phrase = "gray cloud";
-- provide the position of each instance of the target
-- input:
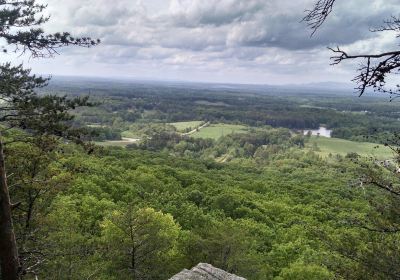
(199, 24)
(263, 37)
(213, 12)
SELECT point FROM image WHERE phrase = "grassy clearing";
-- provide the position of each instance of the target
(129, 134)
(216, 131)
(342, 147)
(182, 126)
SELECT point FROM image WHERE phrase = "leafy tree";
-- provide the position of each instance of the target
(66, 239)
(21, 107)
(227, 245)
(70, 235)
(301, 271)
(37, 178)
(141, 242)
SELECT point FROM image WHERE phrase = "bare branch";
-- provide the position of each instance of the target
(392, 24)
(374, 68)
(317, 16)
(386, 186)
(373, 72)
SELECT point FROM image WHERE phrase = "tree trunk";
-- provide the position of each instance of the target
(9, 261)
(133, 262)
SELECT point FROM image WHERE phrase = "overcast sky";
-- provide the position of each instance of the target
(237, 41)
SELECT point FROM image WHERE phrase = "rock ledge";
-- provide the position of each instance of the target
(204, 271)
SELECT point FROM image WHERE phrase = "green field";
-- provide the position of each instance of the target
(182, 126)
(129, 134)
(342, 147)
(216, 131)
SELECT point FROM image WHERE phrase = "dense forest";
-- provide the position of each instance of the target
(131, 214)
(261, 203)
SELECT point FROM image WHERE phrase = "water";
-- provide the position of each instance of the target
(322, 131)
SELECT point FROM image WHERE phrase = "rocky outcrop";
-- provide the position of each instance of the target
(204, 271)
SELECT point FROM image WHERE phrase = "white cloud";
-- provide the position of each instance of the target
(196, 39)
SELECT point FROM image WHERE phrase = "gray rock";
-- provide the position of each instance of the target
(204, 271)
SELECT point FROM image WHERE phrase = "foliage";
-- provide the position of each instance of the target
(295, 215)
(22, 108)
(141, 243)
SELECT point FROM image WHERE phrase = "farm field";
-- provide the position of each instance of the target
(182, 126)
(342, 147)
(216, 131)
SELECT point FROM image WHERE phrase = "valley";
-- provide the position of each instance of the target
(226, 177)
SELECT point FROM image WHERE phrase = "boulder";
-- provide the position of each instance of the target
(204, 271)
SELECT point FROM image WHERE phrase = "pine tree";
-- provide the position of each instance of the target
(22, 108)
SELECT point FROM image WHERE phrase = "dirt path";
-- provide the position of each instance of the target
(196, 129)
(132, 140)
(223, 159)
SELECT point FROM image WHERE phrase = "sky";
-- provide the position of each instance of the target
(228, 41)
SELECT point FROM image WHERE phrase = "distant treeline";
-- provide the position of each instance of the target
(371, 119)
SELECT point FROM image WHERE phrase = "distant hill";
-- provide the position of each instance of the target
(321, 88)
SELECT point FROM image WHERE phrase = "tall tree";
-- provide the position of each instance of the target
(141, 242)
(22, 108)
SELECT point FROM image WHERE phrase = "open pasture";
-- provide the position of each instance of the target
(342, 147)
(216, 131)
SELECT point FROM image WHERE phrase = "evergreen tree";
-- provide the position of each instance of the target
(22, 108)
